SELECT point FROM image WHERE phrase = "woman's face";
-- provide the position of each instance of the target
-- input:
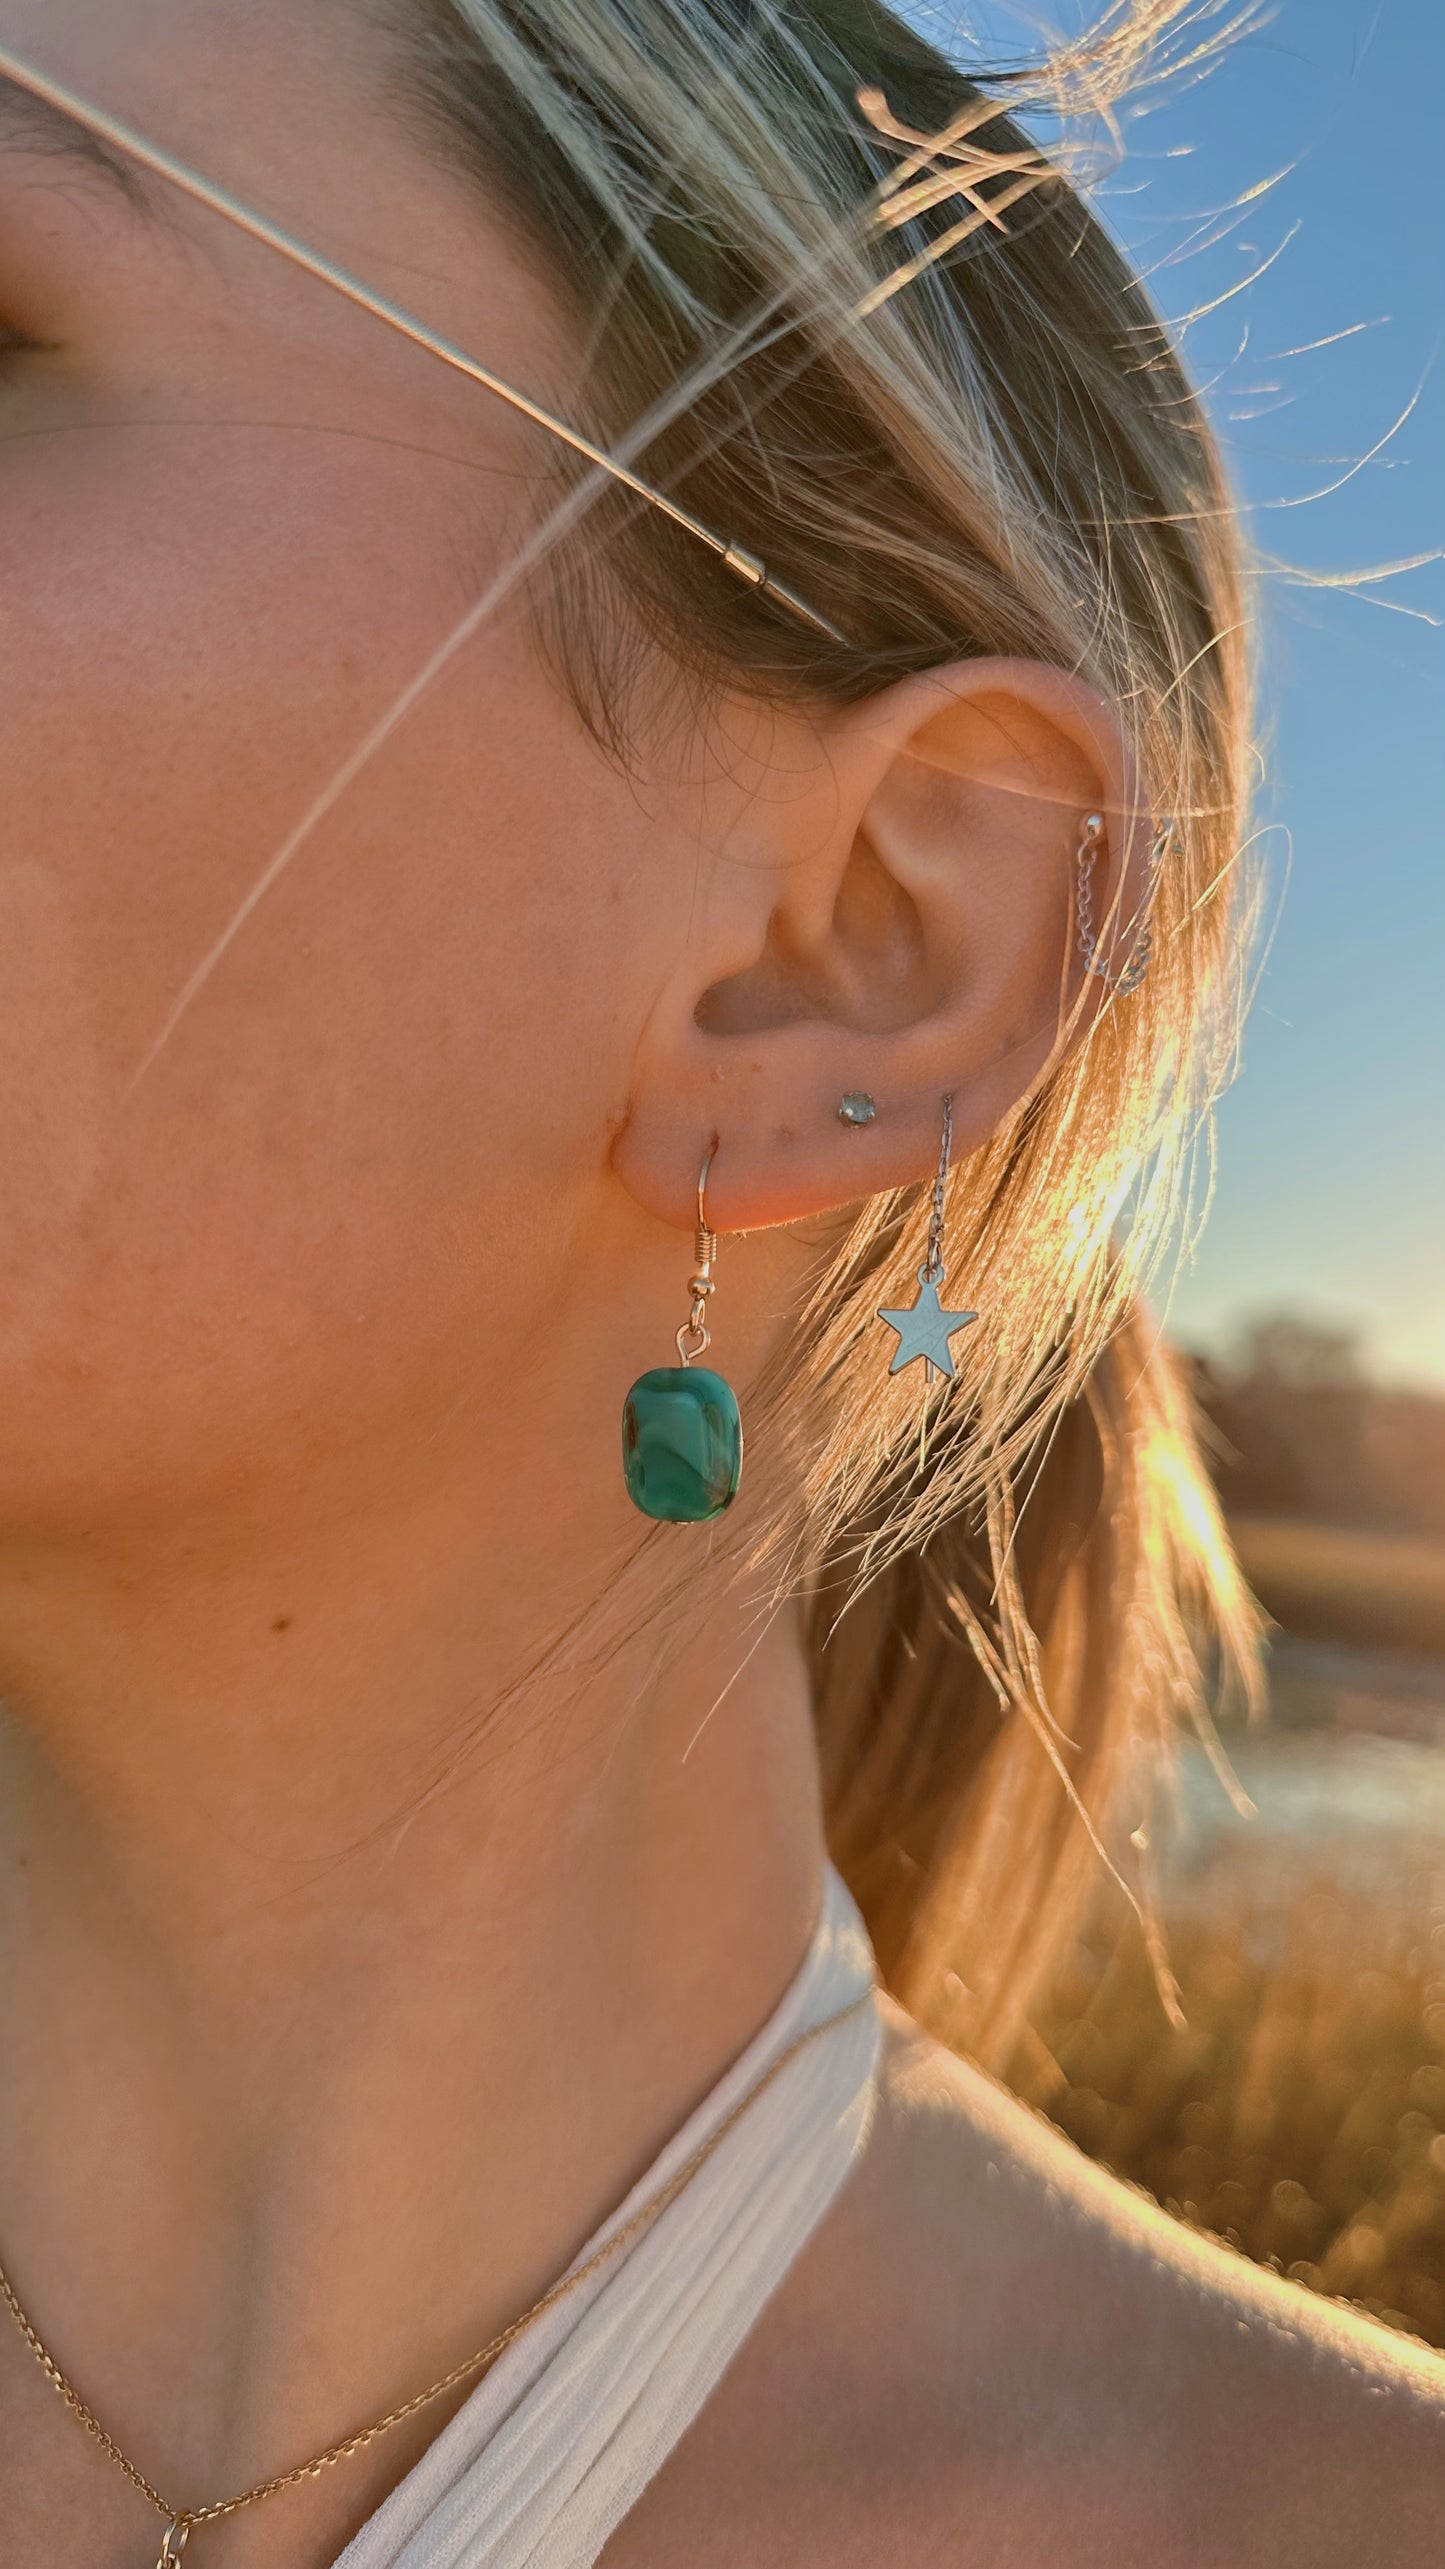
(237, 517)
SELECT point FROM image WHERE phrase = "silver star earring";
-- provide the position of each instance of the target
(925, 1329)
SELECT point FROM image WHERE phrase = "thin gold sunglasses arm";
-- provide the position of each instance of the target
(123, 138)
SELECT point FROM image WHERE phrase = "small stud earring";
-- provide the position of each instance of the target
(856, 1107)
(682, 1430)
(1135, 970)
(924, 1329)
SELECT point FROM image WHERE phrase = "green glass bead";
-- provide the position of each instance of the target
(682, 1444)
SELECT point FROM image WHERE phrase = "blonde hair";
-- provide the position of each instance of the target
(886, 345)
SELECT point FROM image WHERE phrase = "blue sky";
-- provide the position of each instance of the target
(1331, 1192)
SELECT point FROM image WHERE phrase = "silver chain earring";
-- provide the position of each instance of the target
(924, 1328)
(1135, 971)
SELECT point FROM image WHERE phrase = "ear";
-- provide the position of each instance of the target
(894, 912)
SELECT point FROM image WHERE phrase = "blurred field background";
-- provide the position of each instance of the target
(1300, 2112)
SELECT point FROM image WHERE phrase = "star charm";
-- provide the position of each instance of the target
(924, 1330)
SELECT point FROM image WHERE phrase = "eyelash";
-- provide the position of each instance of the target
(13, 346)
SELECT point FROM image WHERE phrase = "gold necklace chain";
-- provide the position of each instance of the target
(182, 2522)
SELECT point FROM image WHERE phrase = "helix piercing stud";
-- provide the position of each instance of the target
(1135, 971)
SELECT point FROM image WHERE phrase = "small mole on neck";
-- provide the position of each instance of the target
(282, 1623)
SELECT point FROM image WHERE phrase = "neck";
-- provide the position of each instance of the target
(346, 1983)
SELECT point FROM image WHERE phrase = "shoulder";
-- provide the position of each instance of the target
(1204, 2409)
(994, 2356)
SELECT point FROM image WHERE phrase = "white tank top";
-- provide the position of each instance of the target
(564, 2433)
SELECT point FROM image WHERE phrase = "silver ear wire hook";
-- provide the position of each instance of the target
(694, 1337)
(177, 173)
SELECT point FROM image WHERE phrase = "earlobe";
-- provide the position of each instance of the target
(905, 927)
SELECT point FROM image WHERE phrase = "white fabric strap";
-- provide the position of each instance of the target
(563, 2435)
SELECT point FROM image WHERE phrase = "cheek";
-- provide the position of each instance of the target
(359, 1143)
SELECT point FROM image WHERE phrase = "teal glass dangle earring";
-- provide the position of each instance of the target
(682, 1430)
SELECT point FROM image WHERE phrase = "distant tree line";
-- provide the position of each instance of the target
(1297, 1428)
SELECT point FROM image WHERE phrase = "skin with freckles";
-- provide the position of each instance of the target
(350, 1970)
